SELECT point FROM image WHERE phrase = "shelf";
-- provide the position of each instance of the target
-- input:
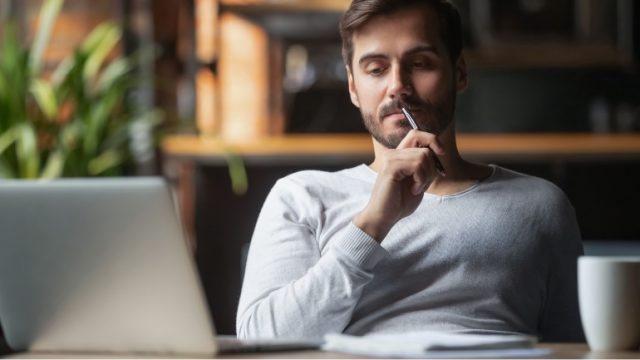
(286, 5)
(527, 56)
(488, 147)
(551, 146)
(276, 149)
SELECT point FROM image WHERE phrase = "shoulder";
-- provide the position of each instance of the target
(531, 194)
(313, 181)
(321, 186)
(534, 188)
(304, 196)
(542, 202)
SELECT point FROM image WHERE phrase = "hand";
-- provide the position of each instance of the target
(405, 174)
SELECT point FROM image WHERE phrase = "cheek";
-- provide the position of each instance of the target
(435, 87)
(370, 94)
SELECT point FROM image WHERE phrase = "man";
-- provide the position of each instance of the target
(396, 246)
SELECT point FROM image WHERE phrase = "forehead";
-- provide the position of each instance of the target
(406, 27)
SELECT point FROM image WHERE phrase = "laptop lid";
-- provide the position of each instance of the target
(98, 265)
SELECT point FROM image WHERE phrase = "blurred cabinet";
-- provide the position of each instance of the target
(544, 33)
(241, 62)
(277, 66)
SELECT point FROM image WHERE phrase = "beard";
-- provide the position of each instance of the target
(433, 118)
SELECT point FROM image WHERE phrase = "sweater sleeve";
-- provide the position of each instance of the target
(292, 288)
(561, 318)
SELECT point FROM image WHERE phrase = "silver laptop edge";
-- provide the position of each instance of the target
(98, 265)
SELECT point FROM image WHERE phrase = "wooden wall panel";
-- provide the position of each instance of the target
(244, 78)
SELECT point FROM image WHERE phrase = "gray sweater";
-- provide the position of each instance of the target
(499, 257)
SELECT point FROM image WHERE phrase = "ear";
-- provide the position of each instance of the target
(352, 88)
(462, 79)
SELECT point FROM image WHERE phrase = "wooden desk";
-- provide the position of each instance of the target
(558, 351)
(582, 351)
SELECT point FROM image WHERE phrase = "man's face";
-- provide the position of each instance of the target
(401, 60)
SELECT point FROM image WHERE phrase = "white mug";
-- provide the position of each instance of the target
(609, 296)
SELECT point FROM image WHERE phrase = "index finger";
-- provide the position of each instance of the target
(421, 139)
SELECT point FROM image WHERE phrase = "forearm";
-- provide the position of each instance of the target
(320, 301)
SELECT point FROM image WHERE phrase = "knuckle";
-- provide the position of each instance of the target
(427, 136)
(424, 154)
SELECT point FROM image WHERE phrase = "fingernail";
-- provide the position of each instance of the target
(437, 150)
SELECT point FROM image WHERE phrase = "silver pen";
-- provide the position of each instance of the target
(414, 125)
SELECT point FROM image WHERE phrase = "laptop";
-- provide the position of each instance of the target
(102, 265)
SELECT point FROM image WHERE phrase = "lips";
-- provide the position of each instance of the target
(394, 116)
(397, 114)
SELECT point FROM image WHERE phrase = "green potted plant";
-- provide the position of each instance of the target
(75, 122)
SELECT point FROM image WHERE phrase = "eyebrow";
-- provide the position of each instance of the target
(412, 51)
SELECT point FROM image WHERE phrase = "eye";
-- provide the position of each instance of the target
(421, 64)
(375, 69)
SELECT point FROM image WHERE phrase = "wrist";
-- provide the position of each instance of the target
(374, 226)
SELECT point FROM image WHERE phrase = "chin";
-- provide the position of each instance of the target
(392, 140)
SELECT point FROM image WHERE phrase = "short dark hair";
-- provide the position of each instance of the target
(361, 11)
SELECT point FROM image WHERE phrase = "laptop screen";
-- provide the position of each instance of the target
(98, 265)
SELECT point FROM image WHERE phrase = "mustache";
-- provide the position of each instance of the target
(394, 106)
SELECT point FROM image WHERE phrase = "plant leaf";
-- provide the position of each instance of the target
(45, 97)
(10, 48)
(3, 90)
(5, 170)
(101, 111)
(7, 138)
(92, 41)
(112, 73)
(54, 166)
(62, 71)
(27, 151)
(70, 135)
(48, 14)
(99, 43)
(119, 133)
(13, 65)
(105, 161)
(237, 173)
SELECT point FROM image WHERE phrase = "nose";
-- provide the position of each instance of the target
(400, 85)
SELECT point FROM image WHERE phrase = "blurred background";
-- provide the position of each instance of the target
(212, 72)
